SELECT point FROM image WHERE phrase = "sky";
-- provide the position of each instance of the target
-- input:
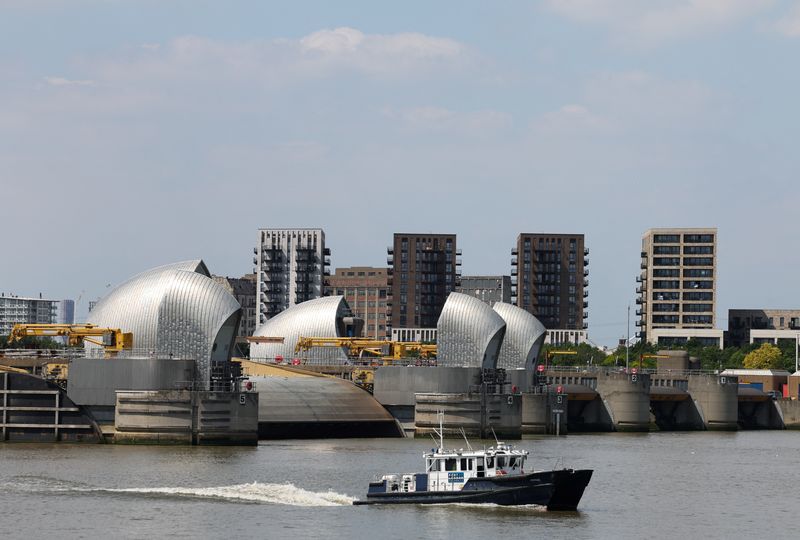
(135, 133)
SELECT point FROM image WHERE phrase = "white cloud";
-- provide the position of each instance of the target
(61, 81)
(654, 21)
(324, 53)
(789, 24)
(439, 119)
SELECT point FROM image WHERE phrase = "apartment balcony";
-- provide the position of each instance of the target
(640, 312)
(585, 326)
(585, 283)
(643, 266)
(585, 273)
(326, 252)
(586, 294)
(390, 271)
(639, 301)
(515, 251)
(513, 261)
(390, 250)
(458, 261)
(326, 261)
(326, 272)
(514, 281)
(585, 262)
(639, 279)
(303, 279)
(255, 251)
(390, 260)
(643, 255)
(585, 315)
(640, 290)
(585, 251)
(640, 323)
(513, 271)
(255, 260)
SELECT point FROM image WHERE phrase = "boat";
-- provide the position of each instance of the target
(496, 475)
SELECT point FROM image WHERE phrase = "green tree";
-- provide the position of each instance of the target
(768, 356)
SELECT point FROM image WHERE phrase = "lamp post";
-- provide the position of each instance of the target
(796, 351)
(628, 341)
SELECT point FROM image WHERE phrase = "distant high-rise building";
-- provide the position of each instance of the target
(747, 326)
(244, 290)
(677, 286)
(20, 310)
(366, 289)
(424, 270)
(66, 312)
(291, 265)
(550, 274)
(487, 289)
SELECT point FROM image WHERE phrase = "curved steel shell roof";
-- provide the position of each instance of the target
(313, 318)
(175, 309)
(524, 338)
(469, 333)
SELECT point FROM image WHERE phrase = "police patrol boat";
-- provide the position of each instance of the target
(496, 476)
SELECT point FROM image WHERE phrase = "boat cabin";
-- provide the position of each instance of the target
(449, 470)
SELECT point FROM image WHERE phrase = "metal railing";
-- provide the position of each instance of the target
(632, 369)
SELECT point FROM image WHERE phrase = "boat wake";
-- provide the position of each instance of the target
(257, 492)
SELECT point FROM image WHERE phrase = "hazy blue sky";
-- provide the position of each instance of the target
(136, 133)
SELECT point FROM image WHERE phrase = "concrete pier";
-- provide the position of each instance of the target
(186, 417)
(790, 413)
(544, 413)
(480, 415)
(716, 399)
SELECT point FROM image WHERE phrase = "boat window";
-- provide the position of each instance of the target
(512, 462)
(480, 463)
(489, 462)
(501, 462)
(450, 464)
(433, 465)
(464, 466)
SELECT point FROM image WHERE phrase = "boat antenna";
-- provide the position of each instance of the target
(495, 436)
(440, 431)
(464, 434)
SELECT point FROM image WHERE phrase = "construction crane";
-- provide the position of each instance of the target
(551, 354)
(112, 340)
(650, 356)
(360, 347)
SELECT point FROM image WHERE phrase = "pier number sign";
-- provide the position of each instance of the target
(455, 477)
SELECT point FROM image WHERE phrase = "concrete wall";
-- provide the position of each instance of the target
(186, 417)
(397, 385)
(94, 381)
(790, 412)
(477, 415)
(538, 416)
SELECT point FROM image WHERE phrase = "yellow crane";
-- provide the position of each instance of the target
(358, 347)
(551, 354)
(112, 340)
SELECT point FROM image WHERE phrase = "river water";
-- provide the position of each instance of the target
(657, 485)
